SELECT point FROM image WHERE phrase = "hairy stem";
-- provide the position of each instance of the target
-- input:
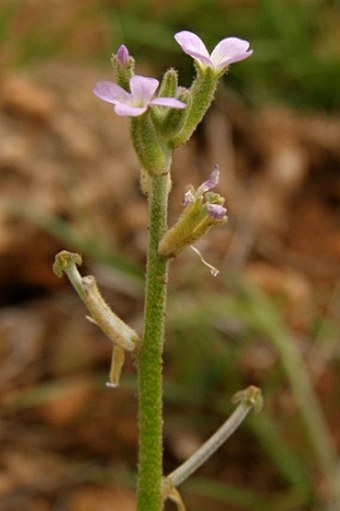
(149, 358)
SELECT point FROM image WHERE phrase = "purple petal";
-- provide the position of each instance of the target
(143, 89)
(229, 50)
(123, 55)
(192, 45)
(202, 59)
(188, 197)
(211, 182)
(110, 92)
(169, 102)
(216, 211)
(124, 109)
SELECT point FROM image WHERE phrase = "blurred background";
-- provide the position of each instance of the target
(69, 180)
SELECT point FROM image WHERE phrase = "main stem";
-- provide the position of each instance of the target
(149, 496)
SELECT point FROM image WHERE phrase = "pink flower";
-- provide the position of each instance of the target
(136, 102)
(227, 51)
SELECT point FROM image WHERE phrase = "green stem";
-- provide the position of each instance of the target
(149, 497)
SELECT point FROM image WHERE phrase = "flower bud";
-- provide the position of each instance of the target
(123, 66)
(169, 84)
(169, 121)
(202, 210)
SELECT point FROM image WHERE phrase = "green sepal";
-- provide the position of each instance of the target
(154, 154)
(202, 94)
(123, 72)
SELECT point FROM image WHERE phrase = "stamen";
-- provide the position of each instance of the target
(214, 271)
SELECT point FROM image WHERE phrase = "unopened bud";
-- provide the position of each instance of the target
(123, 67)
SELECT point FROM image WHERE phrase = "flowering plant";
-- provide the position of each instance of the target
(159, 122)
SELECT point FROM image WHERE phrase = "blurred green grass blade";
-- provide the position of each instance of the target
(91, 247)
(87, 246)
(281, 454)
(261, 315)
(146, 34)
(249, 500)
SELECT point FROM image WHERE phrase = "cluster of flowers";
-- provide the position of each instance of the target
(143, 89)
(160, 122)
(156, 129)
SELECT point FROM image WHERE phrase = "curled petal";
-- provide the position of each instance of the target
(188, 197)
(230, 50)
(191, 195)
(211, 182)
(216, 211)
(192, 45)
